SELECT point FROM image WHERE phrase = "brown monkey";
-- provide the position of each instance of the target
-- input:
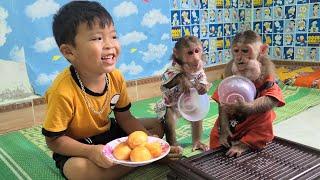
(248, 125)
(185, 72)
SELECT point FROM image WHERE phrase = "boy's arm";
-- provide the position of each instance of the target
(128, 122)
(69, 147)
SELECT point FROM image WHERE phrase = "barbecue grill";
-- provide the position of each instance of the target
(280, 159)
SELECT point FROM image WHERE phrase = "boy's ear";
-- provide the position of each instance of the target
(67, 51)
(264, 48)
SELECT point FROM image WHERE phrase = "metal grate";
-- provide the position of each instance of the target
(281, 159)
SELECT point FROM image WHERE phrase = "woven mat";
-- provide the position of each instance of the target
(24, 154)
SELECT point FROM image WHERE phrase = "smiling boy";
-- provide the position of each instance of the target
(80, 100)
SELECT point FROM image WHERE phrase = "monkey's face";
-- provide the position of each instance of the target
(246, 60)
(244, 53)
(191, 58)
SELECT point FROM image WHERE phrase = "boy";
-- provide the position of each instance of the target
(82, 97)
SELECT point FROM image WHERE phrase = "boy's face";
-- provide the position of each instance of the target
(96, 50)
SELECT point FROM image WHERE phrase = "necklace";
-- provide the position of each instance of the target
(86, 99)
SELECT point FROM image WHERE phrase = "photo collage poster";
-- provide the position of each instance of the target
(289, 27)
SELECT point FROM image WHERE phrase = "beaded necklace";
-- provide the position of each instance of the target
(86, 99)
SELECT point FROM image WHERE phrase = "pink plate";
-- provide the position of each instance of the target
(108, 149)
(234, 88)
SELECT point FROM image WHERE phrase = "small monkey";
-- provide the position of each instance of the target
(248, 125)
(185, 72)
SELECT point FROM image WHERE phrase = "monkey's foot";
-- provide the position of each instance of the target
(175, 152)
(199, 145)
(237, 149)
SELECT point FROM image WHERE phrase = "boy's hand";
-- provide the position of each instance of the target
(96, 155)
(200, 145)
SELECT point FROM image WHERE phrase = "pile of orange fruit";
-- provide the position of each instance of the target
(137, 148)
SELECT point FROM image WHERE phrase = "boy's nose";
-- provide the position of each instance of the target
(108, 43)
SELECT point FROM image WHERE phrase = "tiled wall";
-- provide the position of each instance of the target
(290, 27)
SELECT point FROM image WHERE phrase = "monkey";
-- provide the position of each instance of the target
(242, 126)
(186, 71)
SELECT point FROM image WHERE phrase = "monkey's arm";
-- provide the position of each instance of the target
(180, 79)
(224, 129)
(196, 136)
(259, 105)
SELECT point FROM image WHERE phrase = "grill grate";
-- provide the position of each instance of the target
(281, 159)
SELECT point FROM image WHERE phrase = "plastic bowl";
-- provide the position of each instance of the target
(193, 107)
(236, 88)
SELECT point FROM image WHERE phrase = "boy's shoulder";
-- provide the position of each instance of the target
(116, 75)
(62, 83)
(116, 72)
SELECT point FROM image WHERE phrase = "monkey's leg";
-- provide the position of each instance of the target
(196, 136)
(170, 127)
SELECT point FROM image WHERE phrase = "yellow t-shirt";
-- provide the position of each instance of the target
(67, 112)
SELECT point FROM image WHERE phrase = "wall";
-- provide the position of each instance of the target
(148, 29)
(15, 85)
(290, 27)
(142, 28)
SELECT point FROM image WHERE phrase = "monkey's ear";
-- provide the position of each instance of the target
(67, 51)
(264, 48)
(175, 52)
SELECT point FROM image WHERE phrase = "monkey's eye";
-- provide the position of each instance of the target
(196, 51)
(190, 53)
(236, 50)
(245, 50)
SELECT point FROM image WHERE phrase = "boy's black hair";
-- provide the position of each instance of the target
(67, 20)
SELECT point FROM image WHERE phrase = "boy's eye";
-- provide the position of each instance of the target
(97, 38)
(115, 37)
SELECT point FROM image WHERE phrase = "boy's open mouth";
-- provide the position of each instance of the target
(108, 58)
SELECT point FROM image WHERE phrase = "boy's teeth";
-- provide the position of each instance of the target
(107, 57)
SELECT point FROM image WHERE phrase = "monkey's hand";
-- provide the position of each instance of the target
(237, 149)
(238, 108)
(199, 145)
(201, 88)
(242, 108)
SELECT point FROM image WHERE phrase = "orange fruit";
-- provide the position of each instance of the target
(137, 138)
(140, 153)
(154, 148)
(122, 151)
